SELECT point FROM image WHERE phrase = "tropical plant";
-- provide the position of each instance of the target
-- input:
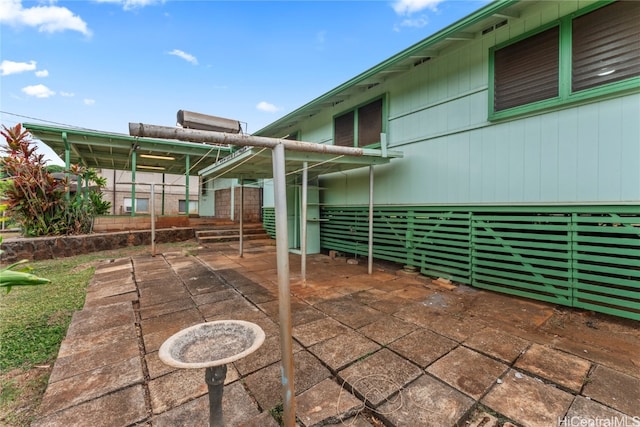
(37, 200)
(33, 196)
(10, 277)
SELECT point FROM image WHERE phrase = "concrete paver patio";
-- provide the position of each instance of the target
(388, 349)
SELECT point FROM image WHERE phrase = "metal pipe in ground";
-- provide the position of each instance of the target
(370, 262)
(284, 294)
(303, 220)
(214, 377)
(241, 242)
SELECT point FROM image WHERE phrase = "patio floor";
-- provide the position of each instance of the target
(417, 353)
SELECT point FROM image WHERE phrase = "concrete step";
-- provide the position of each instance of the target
(232, 238)
(230, 231)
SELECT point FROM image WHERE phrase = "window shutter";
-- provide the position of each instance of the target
(527, 71)
(343, 128)
(370, 123)
(606, 45)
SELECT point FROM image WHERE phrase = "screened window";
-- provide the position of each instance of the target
(359, 127)
(527, 71)
(606, 45)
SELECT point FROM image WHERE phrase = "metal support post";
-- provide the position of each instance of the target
(284, 295)
(186, 191)
(214, 377)
(241, 217)
(153, 219)
(370, 263)
(133, 180)
(303, 226)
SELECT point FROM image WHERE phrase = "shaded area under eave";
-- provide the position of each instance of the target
(105, 150)
(256, 162)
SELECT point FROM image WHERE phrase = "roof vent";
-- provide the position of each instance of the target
(494, 27)
(422, 61)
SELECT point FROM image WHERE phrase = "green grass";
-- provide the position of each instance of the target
(34, 320)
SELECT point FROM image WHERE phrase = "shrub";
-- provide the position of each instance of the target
(38, 201)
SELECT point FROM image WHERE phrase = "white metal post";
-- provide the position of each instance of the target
(241, 218)
(284, 296)
(153, 219)
(370, 264)
(303, 225)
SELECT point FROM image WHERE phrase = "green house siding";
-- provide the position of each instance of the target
(543, 204)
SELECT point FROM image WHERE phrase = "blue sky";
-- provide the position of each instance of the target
(104, 63)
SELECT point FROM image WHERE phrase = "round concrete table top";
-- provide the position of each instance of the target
(211, 344)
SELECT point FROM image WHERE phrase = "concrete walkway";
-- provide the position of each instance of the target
(389, 349)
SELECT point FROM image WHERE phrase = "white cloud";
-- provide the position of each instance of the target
(48, 19)
(11, 67)
(407, 7)
(88, 101)
(42, 73)
(415, 22)
(132, 4)
(39, 91)
(267, 107)
(184, 55)
(67, 94)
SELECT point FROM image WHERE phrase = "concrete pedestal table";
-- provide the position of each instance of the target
(212, 345)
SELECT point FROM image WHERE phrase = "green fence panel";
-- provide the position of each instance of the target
(579, 256)
(607, 263)
(269, 221)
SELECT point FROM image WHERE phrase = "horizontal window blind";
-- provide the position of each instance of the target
(606, 45)
(370, 123)
(343, 128)
(527, 71)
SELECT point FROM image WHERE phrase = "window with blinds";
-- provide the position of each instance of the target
(586, 55)
(527, 71)
(366, 119)
(606, 45)
(343, 129)
(370, 123)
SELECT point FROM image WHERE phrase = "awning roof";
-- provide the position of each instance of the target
(256, 162)
(104, 150)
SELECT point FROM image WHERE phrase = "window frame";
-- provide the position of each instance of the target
(566, 97)
(128, 209)
(191, 203)
(355, 131)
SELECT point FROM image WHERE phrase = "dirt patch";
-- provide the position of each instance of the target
(20, 394)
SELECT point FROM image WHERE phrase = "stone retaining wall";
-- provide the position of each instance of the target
(39, 248)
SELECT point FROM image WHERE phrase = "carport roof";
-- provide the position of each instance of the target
(104, 150)
(256, 162)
